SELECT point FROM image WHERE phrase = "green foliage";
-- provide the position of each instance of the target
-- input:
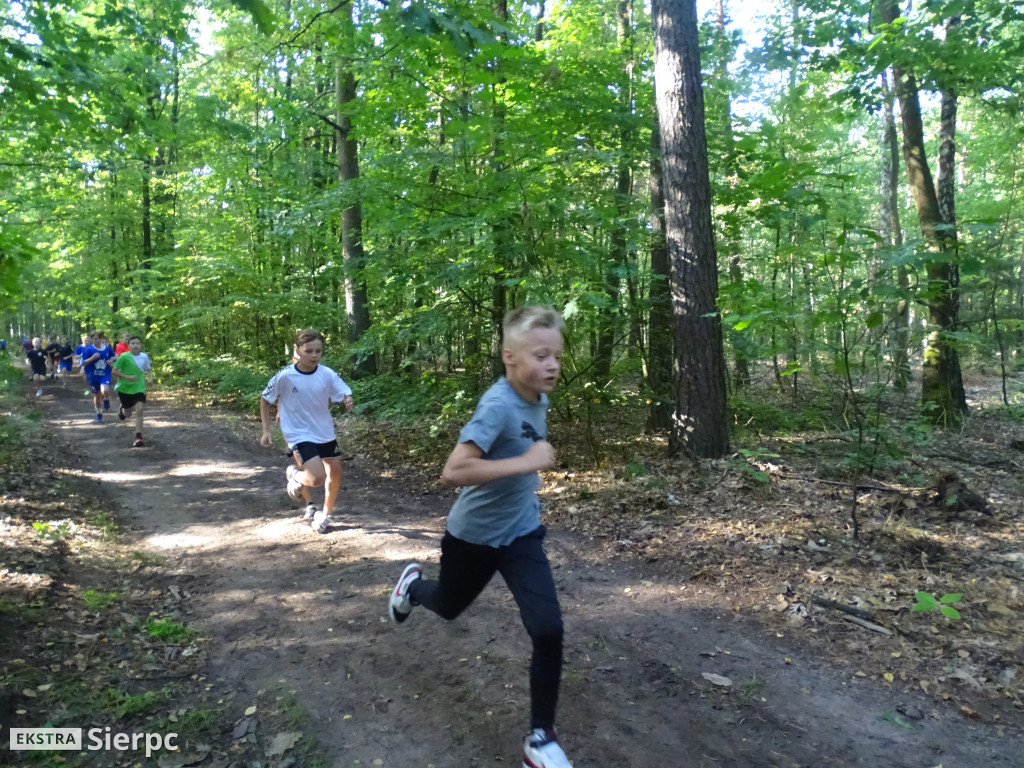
(409, 397)
(169, 631)
(635, 469)
(750, 472)
(55, 532)
(97, 601)
(184, 186)
(926, 601)
(122, 705)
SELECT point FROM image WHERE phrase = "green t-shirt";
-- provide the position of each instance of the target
(126, 364)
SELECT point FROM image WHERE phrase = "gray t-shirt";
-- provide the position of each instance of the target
(504, 425)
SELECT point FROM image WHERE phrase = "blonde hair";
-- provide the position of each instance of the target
(521, 320)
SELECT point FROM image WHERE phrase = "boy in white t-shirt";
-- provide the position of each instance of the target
(304, 392)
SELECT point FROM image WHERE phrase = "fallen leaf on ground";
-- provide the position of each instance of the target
(711, 677)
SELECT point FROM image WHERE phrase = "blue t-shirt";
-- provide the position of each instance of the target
(504, 425)
(101, 366)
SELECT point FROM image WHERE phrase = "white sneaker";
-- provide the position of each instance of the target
(39, 393)
(309, 513)
(321, 522)
(541, 750)
(293, 486)
(399, 606)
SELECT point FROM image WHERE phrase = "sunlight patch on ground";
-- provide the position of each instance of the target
(124, 477)
(179, 540)
(276, 529)
(411, 554)
(216, 467)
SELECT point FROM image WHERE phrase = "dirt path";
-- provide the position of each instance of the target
(290, 611)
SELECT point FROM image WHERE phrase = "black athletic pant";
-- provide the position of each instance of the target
(467, 568)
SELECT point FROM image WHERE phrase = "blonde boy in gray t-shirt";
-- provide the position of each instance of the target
(494, 525)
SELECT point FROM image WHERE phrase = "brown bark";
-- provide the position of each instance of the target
(357, 307)
(892, 232)
(941, 385)
(659, 326)
(700, 419)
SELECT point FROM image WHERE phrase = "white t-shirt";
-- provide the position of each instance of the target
(304, 401)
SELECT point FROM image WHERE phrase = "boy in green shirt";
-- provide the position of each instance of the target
(132, 370)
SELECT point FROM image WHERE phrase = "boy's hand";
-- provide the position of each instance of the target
(348, 402)
(540, 455)
(265, 439)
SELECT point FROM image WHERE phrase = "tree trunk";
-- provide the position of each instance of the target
(501, 230)
(700, 427)
(659, 325)
(892, 232)
(941, 385)
(610, 315)
(357, 307)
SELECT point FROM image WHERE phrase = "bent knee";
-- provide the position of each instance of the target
(548, 635)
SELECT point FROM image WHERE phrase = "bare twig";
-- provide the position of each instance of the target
(826, 603)
(869, 625)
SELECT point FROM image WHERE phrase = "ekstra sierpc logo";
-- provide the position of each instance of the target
(46, 738)
(23, 739)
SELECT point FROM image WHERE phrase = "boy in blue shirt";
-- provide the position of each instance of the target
(96, 361)
(494, 525)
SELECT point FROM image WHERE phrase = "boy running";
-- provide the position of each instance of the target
(132, 369)
(67, 355)
(37, 357)
(304, 392)
(494, 525)
(96, 361)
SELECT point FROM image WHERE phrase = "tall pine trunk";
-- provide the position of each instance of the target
(941, 381)
(357, 307)
(700, 427)
(892, 233)
(659, 324)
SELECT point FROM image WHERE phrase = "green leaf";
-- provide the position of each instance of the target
(925, 602)
(951, 598)
(260, 13)
(949, 612)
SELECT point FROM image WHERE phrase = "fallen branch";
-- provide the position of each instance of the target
(826, 603)
(868, 625)
(858, 486)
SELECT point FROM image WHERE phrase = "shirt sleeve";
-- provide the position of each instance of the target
(270, 392)
(339, 389)
(485, 426)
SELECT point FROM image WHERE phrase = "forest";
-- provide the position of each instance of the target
(787, 238)
(825, 214)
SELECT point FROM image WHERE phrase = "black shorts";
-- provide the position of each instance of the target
(309, 451)
(130, 399)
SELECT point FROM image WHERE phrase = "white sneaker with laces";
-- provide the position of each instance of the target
(321, 522)
(309, 513)
(293, 486)
(399, 606)
(541, 750)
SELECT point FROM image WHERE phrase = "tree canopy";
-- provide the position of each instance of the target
(175, 168)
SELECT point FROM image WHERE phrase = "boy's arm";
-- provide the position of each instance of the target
(265, 438)
(466, 464)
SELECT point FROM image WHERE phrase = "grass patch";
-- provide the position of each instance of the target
(97, 601)
(169, 631)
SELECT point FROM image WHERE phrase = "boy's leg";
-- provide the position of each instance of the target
(301, 477)
(465, 571)
(527, 572)
(138, 408)
(312, 472)
(332, 467)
